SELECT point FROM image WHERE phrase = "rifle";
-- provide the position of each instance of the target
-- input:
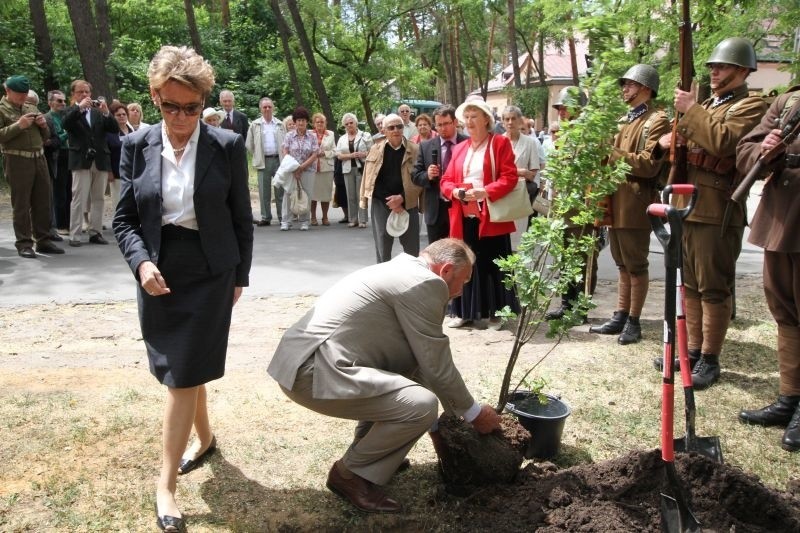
(788, 134)
(678, 154)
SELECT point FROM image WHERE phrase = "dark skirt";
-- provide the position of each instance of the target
(186, 331)
(485, 293)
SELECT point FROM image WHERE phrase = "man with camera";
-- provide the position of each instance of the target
(87, 121)
(22, 133)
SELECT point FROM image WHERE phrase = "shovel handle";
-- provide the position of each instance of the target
(669, 239)
(680, 189)
(667, 416)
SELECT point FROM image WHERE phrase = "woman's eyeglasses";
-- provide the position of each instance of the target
(190, 110)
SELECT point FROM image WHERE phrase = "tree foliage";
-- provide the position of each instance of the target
(370, 52)
(546, 263)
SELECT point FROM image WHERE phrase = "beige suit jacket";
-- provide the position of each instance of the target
(376, 331)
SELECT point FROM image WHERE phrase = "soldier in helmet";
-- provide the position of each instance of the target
(629, 236)
(568, 103)
(712, 241)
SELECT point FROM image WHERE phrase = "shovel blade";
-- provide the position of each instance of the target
(708, 446)
(673, 521)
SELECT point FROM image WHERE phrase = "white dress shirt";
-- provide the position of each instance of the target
(268, 137)
(177, 182)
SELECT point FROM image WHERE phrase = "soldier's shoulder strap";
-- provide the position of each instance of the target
(646, 130)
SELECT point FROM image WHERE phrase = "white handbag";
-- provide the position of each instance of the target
(299, 203)
(512, 206)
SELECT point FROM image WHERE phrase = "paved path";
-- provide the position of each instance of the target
(284, 263)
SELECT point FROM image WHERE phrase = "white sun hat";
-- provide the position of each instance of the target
(397, 223)
(478, 103)
(207, 112)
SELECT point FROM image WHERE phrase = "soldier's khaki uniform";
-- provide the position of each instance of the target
(25, 168)
(775, 228)
(630, 229)
(711, 251)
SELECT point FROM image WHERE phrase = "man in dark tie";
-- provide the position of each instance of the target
(234, 120)
(434, 156)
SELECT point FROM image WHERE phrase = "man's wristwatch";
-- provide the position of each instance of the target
(462, 194)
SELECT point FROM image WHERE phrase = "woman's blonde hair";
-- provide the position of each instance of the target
(136, 106)
(183, 65)
(319, 115)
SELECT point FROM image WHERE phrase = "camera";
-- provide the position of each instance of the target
(100, 100)
(90, 153)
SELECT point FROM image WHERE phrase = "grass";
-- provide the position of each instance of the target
(81, 439)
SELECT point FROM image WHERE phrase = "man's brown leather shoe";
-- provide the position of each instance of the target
(363, 494)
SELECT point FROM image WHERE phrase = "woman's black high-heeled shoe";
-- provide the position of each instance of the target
(170, 524)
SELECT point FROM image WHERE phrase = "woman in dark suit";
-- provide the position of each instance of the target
(184, 225)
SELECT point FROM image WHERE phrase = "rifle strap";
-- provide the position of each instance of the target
(788, 106)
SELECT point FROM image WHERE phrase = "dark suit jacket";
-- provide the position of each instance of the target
(420, 175)
(240, 123)
(221, 200)
(82, 138)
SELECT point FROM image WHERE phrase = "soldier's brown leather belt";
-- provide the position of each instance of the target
(30, 154)
(792, 161)
(697, 157)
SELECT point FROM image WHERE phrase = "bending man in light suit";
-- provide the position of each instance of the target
(372, 349)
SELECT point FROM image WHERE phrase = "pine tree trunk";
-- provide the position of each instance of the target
(107, 45)
(512, 43)
(86, 39)
(313, 69)
(192, 24)
(285, 33)
(43, 45)
(225, 9)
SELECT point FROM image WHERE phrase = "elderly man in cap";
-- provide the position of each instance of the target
(387, 183)
(22, 133)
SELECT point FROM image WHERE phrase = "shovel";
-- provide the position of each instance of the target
(676, 515)
(690, 442)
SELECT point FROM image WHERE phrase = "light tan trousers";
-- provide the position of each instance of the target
(389, 425)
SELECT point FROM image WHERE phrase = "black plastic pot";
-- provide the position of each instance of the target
(545, 422)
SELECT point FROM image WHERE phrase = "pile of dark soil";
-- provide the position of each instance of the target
(624, 495)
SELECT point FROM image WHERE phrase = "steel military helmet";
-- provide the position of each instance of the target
(570, 96)
(644, 75)
(735, 51)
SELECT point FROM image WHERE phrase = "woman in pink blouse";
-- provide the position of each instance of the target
(301, 144)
